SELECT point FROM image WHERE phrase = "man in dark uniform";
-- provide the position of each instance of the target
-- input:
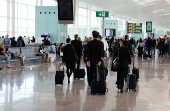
(94, 54)
(78, 49)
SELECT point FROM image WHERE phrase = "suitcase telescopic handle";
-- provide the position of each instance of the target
(133, 61)
(60, 66)
(97, 72)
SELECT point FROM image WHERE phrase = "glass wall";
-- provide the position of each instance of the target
(86, 23)
(22, 23)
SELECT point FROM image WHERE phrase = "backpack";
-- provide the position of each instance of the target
(133, 46)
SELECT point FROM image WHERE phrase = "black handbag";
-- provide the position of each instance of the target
(116, 62)
(75, 55)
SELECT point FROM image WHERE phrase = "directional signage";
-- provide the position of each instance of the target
(102, 14)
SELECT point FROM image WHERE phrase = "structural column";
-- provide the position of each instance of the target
(13, 18)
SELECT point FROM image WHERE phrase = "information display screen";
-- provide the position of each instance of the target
(148, 26)
(110, 32)
(134, 28)
(168, 33)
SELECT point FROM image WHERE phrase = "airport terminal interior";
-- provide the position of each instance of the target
(84, 55)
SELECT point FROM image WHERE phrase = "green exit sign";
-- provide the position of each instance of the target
(102, 14)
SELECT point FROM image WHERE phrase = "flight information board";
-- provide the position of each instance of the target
(134, 28)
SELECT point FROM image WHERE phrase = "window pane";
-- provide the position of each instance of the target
(22, 25)
(49, 3)
(93, 14)
(3, 8)
(16, 10)
(82, 11)
(84, 21)
(31, 26)
(31, 12)
(22, 11)
(80, 18)
(29, 2)
(3, 22)
(3, 34)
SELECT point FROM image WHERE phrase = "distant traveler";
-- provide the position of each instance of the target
(6, 40)
(2, 40)
(125, 60)
(167, 46)
(11, 55)
(69, 58)
(128, 45)
(140, 47)
(85, 61)
(33, 39)
(148, 47)
(43, 53)
(153, 47)
(106, 47)
(78, 49)
(46, 42)
(20, 42)
(52, 48)
(161, 47)
(25, 39)
(13, 42)
(3, 56)
(94, 54)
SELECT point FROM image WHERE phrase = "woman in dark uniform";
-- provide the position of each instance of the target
(125, 60)
(68, 58)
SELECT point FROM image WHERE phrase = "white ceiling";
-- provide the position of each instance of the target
(157, 11)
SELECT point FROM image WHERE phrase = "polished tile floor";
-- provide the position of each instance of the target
(32, 89)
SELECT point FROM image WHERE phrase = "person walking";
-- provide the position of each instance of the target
(78, 49)
(140, 47)
(167, 46)
(85, 61)
(69, 58)
(148, 47)
(94, 54)
(153, 47)
(125, 60)
(161, 47)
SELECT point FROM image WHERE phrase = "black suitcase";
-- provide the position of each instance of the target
(135, 71)
(104, 68)
(59, 76)
(79, 73)
(98, 85)
(131, 82)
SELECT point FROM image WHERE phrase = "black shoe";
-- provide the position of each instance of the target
(121, 91)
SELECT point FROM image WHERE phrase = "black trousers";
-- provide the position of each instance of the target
(149, 53)
(161, 52)
(140, 49)
(88, 75)
(92, 73)
(120, 77)
(78, 62)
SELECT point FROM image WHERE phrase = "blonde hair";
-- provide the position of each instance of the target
(2, 45)
(90, 39)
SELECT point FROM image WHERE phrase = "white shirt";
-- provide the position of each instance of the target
(106, 47)
(25, 40)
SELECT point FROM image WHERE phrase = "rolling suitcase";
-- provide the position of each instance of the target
(59, 76)
(79, 73)
(135, 71)
(98, 85)
(131, 82)
(104, 68)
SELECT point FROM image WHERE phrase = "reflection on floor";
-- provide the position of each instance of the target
(32, 89)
